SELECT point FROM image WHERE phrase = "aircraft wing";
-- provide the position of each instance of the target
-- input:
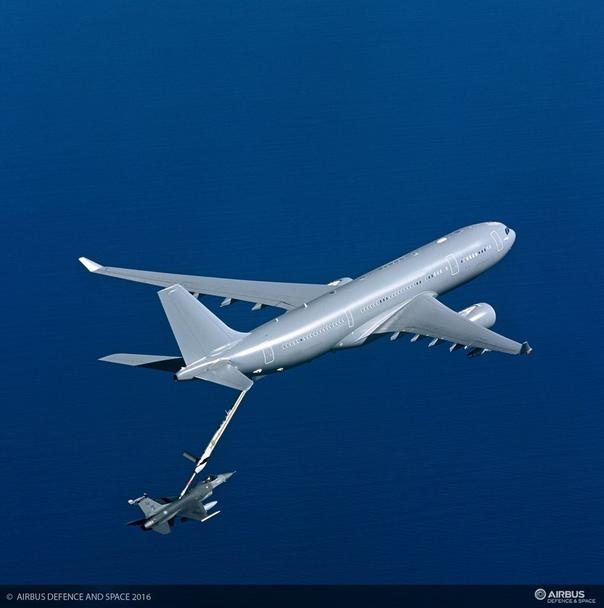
(281, 295)
(426, 316)
(197, 512)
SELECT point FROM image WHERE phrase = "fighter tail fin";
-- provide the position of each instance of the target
(148, 506)
(197, 330)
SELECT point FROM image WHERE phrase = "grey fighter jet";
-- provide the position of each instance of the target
(160, 513)
(402, 296)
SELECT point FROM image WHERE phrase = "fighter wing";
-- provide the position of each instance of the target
(281, 295)
(426, 316)
(197, 512)
(200, 513)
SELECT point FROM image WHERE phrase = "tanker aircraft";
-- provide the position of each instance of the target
(400, 297)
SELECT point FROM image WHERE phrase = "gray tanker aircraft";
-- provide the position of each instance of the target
(398, 297)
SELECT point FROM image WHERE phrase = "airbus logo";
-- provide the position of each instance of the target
(563, 596)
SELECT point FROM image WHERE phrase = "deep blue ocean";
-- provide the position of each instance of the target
(301, 141)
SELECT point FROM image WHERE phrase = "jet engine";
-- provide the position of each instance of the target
(482, 314)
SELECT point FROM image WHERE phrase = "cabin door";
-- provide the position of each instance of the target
(269, 355)
(498, 242)
(453, 265)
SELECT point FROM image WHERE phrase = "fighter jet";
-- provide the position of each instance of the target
(160, 513)
(399, 297)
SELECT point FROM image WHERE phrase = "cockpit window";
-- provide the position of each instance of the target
(507, 230)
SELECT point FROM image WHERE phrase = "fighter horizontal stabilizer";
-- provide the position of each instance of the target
(137, 522)
(424, 315)
(281, 295)
(163, 528)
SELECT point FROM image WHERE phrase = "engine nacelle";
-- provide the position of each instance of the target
(482, 314)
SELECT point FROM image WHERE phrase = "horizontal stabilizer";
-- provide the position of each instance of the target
(163, 528)
(226, 374)
(137, 522)
(167, 364)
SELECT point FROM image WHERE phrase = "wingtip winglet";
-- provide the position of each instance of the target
(89, 264)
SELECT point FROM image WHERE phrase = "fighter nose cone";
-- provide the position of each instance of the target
(220, 479)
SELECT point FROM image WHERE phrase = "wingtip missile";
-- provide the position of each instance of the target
(135, 501)
(210, 516)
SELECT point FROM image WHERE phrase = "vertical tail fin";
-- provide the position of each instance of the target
(197, 330)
